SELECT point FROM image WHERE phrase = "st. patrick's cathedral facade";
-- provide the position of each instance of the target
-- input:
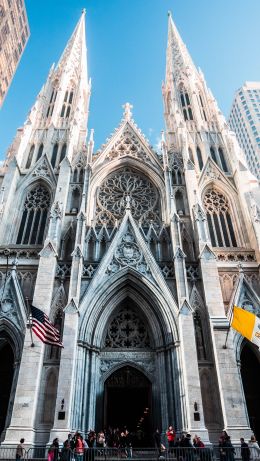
(136, 256)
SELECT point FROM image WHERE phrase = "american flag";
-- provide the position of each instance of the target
(44, 329)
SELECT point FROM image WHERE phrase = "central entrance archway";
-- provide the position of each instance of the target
(127, 403)
(6, 379)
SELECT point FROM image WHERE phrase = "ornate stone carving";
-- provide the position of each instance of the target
(199, 214)
(235, 255)
(42, 169)
(129, 145)
(167, 271)
(127, 331)
(63, 270)
(124, 185)
(88, 271)
(56, 210)
(212, 172)
(128, 254)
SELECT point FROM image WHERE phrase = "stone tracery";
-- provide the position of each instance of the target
(127, 330)
(127, 187)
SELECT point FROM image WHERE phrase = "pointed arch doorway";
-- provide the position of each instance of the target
(128, 403)
(250, 372)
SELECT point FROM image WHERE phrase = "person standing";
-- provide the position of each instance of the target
(245, 452)
(254, 448)
(20, 451)
(170, 434)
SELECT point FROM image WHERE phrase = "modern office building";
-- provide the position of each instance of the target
(136, 256)
(244, 120)
(14, 34)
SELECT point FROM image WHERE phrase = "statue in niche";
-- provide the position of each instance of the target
(199, 337)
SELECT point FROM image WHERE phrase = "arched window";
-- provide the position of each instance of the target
(222, 160)
(200, 160)
(186, 105)
(78, 174)
(35, 212)
(213, 154)
(51, 103)
(219, 219)
(67, 103)
(39, 153)
(54, 154)
(63, 152)
(30, 156)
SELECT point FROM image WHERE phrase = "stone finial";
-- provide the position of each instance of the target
(127, 113)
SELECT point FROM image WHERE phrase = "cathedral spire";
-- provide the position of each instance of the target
(75, 54)
(178, 56)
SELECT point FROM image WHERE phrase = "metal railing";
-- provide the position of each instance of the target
(209, 453)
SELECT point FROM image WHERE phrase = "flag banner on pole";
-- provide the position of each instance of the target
(247, 324)
(44, 329)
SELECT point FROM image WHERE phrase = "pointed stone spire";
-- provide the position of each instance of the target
(178, 57)
(75, 53)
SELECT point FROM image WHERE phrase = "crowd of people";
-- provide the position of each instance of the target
(183, 448)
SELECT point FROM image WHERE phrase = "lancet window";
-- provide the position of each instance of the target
(34, 217)
(63, 152)
(219, 219)
(54, 154)
(199, 157)
(186, 105)
(127, 331)
(40, 151)
(202, 108)
(30, 156)
(67, 104)
(218, 156)
(51, 103)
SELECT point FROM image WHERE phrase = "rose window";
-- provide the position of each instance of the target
(127, 188)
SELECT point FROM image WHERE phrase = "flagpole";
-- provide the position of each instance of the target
(30, 322)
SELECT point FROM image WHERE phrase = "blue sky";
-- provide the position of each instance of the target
(126, 42)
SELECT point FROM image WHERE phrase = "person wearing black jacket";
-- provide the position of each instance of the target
(245, 451)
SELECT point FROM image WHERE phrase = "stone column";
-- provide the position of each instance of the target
(26, 398)
(230, 387)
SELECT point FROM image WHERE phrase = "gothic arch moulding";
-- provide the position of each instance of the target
(98, 306)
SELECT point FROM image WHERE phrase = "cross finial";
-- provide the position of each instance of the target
(127, 113)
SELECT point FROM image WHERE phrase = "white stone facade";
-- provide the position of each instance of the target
(161, 244)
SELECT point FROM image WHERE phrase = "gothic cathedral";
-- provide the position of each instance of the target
(136, 256)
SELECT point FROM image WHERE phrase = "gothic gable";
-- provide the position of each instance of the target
(128, 142)
(212, 173)
(245, 296)
(41, 170)
(12, 307)
(129, 251)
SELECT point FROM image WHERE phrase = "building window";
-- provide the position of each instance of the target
(203, 113)
(219, 219)
(30, 157)
(40, 151)
(213, 154)
(63, 152)
(34, 217)
(200, 160)
(67, 104)
(222, 160)
(54, 155)
(186, 106)
(51, 103)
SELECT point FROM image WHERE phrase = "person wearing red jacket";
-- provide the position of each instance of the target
(170, 434)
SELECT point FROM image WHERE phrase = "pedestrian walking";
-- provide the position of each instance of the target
(20, 451)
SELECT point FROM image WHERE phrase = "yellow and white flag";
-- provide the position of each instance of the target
(247, 324)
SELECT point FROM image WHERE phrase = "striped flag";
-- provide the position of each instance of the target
(247, 324)
(44, 329)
